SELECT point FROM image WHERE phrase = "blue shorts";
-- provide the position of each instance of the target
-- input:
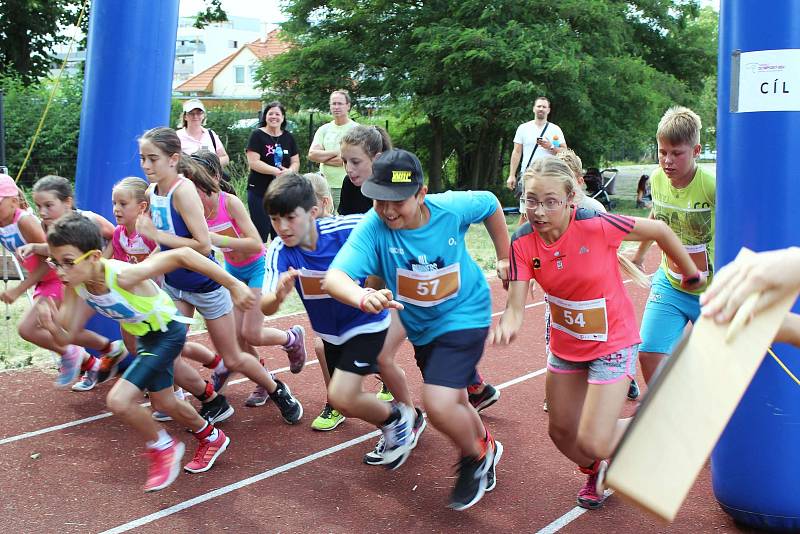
(211, 305)
(604, 370)
(451, 360)
(155, 355)
(666, 314)
(251, 274)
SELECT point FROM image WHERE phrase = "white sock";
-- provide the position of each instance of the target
(179, 394)
(163, 442)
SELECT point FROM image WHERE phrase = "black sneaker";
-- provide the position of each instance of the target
(484, 399)
(216, 410)
(491, 481)
(633, 390)
(375, 456)
(471, 483)
(290, 407)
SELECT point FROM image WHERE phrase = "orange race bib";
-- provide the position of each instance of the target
(311, 284)
(430, 288)
(699, 255)
(584, 319)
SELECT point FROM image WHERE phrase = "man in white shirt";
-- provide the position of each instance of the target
(534, 139)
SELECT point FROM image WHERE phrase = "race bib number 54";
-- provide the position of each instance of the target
(584, 320)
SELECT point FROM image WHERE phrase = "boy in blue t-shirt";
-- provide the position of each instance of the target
(299, 258)
(416, 244)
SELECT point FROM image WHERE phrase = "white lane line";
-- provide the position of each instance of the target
(563, 521)
(567, 518)
(155, 516)
(104, 415)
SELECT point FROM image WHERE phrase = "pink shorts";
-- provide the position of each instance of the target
(49, 288)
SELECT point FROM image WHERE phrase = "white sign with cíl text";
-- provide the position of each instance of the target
(769, 80)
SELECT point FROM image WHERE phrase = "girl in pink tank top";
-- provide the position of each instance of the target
(233, 232)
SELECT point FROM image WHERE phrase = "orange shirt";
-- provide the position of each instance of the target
(591, 313)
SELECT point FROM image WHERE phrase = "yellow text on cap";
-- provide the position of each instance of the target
(401, 177)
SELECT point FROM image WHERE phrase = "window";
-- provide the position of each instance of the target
(233, 44)
(239, 73)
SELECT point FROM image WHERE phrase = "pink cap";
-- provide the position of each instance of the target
(8, 188)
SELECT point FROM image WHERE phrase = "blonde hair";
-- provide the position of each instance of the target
(135, 187)
(558, 170)
(322, 191)
(573, 161)
(680, 125)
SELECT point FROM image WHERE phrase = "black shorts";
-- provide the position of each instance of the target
(357, 355)
(451, 360)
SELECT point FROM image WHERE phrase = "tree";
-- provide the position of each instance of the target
(473, 68)
(29, 29)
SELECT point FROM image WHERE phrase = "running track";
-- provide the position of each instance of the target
(67, 466)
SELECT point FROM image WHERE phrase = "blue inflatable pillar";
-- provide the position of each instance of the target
(755, 467)
(127, 90)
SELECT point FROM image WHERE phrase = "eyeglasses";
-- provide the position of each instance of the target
(196, 113)
(549, 204)
(66, 266)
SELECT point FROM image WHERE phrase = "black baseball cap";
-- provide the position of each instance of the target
(396, 175)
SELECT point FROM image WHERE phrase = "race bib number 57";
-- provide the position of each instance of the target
(428, 288)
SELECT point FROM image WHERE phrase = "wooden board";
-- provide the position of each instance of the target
(687, 409)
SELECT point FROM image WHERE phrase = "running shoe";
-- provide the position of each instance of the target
(290, 407)
(544, 405)
(219, 377)
(207, 453)
(633, 390)
(591, 495)
(375, 456)
(217, 410)
(398, 435)
(384, 394)
(70, 368)
(87, 382)
(258, 397)
(164, 466)
(484, 399)
(491, 480)
(296, 351)
(109, 362)
(471, 483)
(161, 417)
(328, 419)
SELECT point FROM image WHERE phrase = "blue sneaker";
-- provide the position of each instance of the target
(71, 362)
(219, 378)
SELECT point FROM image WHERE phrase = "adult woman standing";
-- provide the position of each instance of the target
(194, 137)
(269, 149)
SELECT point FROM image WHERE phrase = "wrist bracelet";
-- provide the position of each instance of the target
(367, 292)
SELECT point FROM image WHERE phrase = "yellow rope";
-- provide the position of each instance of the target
(52, 92)
(783, 366)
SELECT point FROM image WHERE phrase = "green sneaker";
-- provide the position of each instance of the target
(384, 394)
(328, 419)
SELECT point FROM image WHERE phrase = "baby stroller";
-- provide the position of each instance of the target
(600, 184)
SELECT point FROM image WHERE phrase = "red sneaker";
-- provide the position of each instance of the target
(207, 453)
(164, 466)
(592, 494)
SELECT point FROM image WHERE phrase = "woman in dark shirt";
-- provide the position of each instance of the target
(268, 141)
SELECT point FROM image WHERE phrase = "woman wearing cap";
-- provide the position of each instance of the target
(416, 244)
(194, 137)
(271, 151)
